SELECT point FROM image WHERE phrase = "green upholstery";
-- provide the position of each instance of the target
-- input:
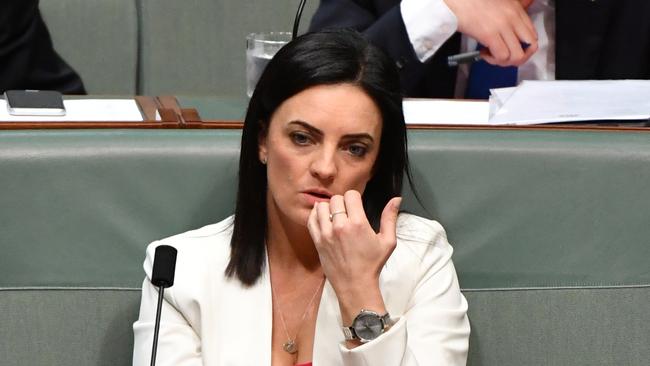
(57, 327)
(559, 327)
(99, 39)
(538, 208)
(157, 47)
(102, 196)
(550, 231)
(212, 108)
(199, 46)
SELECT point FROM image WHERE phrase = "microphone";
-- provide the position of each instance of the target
(164, 265)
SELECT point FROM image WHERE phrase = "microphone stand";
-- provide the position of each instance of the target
(161, 291)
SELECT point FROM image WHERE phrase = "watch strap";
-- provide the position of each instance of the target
(388, 322)
(349, 333)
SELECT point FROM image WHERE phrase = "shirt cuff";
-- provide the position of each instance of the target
(429, 23)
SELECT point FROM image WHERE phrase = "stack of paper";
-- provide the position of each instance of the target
(534, 102)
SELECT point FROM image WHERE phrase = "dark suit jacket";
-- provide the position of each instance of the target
(601, 39)
(27, 58)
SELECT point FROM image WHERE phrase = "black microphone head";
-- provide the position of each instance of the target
(164, 265)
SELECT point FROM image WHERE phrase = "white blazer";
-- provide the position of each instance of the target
(212, 320)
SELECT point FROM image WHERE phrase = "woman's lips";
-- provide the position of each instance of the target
(313, 197)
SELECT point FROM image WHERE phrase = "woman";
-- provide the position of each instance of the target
(320, 266)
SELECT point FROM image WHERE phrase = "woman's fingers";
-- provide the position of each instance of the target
(338, 212)
(313, 226)
(354, 206)
(388, 223)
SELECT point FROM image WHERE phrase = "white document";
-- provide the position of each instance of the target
(77, 110)
(534, 102)
(445, 111)
(498, 98)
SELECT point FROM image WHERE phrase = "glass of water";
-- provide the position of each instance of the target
(260, 48)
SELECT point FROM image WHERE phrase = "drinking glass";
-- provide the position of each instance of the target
(260, 48)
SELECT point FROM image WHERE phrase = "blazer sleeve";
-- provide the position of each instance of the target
(434, 330)
(387, 31)
(178, 342)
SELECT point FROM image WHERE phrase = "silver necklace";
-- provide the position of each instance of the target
(290, 345)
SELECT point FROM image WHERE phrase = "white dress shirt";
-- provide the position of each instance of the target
(213, 320)
(429, 23)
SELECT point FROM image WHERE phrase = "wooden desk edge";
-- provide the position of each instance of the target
(148, 107)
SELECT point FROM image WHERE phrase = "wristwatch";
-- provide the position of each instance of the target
(367, 326)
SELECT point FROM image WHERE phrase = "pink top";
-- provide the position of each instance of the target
(305, 364)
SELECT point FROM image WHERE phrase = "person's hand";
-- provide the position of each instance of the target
(500, 25)
(351, 253)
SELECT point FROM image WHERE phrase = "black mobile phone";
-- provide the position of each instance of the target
(35, 103)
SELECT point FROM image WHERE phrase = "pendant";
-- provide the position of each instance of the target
(290, 346)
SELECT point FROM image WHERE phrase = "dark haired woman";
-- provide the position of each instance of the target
(316, 265)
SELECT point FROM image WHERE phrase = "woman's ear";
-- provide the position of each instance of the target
(261, 144)
(263, 155)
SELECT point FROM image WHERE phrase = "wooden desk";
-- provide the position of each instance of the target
(155, 113)
(229, 113)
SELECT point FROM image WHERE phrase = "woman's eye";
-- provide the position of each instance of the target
(358, 150)
(299, 138)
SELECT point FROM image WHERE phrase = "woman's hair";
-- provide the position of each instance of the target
(327, 57)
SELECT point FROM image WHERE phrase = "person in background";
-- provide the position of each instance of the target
(317, 244)
(577, 39)
(27, 57)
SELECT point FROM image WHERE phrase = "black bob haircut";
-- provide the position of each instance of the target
(321, 58)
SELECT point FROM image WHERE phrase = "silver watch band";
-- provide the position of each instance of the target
(349, 333)
(388, 322)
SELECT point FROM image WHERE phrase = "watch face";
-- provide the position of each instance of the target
(367, 326)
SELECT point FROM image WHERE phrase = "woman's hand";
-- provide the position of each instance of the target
(351, 253)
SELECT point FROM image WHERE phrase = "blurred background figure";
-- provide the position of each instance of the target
(576, 39)
(27, 57)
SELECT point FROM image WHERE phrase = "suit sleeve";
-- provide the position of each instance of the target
(27, 57)
(178, 343)
(434, 330)
(385, 29)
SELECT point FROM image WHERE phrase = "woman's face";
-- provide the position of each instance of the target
(320, 142)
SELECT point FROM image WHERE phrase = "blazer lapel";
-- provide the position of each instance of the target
(246, 323)
(328, 329)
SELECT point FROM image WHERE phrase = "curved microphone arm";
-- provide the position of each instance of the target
(296, 21)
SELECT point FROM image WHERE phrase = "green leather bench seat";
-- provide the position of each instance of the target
(160, 47)
(213, 108)
(550, 231)
(199, 46)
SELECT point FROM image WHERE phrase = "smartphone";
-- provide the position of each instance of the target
(35, 103)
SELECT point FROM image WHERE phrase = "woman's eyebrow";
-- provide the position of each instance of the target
(307, 126)
(359, 136)
(320, 133)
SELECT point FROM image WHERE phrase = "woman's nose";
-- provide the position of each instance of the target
(323, 166)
